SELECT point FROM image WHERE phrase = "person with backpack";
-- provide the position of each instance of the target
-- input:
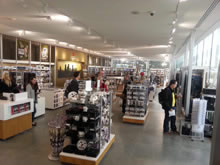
(167, 99)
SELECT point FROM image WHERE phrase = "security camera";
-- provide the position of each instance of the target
(152, 13)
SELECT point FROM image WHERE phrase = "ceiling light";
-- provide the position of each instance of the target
(78, 47)
(63, 43)
(61, 18)
(21, 32)
(186, 25)
(183, 0)
(73, 46)
(164, 64)
(50, 40)
(171, 39)
(129, 53)
(77, 28)
(166, 58)
(174, 30)
(170, 42)
(94, 37)
(89, 32)
(123, 59)
(174, 22)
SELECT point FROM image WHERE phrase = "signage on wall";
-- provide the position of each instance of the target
(45, 53)
(22, 50)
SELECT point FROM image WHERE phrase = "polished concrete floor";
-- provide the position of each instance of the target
(134, 145)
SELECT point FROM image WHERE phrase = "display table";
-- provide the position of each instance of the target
(15, 117)
(85, 160)
(135, 120)
(40, 107)
(54, 97)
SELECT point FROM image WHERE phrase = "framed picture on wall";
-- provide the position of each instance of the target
(45, 53)
(22, 50)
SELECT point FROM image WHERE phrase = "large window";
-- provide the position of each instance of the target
(216, 49)
(207, 51)
(200, 53)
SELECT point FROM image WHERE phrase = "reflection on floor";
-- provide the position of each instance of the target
(134, 145)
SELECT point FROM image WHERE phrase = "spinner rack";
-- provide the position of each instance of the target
(83, 159)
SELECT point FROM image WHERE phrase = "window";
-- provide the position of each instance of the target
(194, 59)
(207, 50)
(216, 49)
(200, 53)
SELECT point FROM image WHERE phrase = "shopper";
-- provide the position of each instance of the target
(7, 85)
(124, 96)
(31, 89)
(74, 84)
(169, 105)
(103, 86)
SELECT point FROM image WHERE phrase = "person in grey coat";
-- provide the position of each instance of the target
(31, 89)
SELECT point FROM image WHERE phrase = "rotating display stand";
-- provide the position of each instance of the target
(136, 104)
(88, 126)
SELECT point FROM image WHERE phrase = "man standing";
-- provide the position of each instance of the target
(73, 85)
(169, 105)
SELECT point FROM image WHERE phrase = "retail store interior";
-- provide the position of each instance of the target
(110, 82)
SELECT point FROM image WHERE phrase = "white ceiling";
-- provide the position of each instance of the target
(111, 20)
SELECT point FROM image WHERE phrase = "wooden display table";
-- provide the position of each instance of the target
(85, 160)
(15, 117)
(135, 120)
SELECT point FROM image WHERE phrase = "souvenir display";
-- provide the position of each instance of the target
(137, 96)
(89, 123)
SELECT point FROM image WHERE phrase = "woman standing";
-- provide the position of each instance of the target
(32, 93)
(7, 85)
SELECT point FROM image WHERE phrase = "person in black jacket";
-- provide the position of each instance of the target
(73, 85)
(169, 105)
(7, 85)
(124, 100)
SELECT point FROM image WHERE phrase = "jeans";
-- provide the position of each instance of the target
(172, 119)
(34, 112)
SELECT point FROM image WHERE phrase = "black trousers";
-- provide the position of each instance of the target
(167, 120)
(34, 112)
(123, 105)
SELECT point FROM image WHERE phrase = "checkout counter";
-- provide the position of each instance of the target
(15, 114)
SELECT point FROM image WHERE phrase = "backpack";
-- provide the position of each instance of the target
(161, 96)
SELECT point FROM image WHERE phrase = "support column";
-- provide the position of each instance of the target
(215, 149)
(188, 94)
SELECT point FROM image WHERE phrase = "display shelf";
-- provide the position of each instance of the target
(54, 98)
(85, 160)
(135, 120)
(40, 107)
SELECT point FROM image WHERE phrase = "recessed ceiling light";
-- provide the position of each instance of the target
(174, 22)
(174, 30)
(63, 43)
(171, 39)
(170, 42)
(183, 0)
(78, 47)
(61, 18)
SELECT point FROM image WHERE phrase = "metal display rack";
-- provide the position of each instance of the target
(89, 127)
(136, 104)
